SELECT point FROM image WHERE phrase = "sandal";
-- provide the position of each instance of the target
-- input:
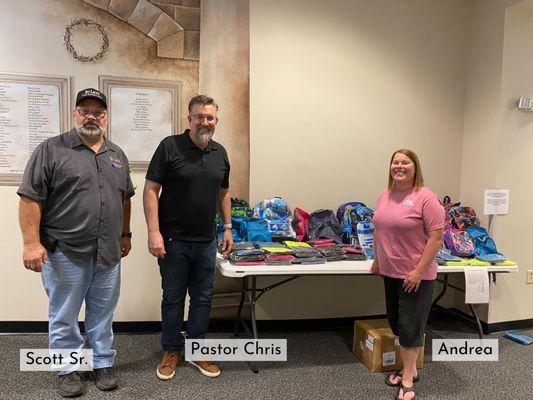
(397, 374)
(405, 390)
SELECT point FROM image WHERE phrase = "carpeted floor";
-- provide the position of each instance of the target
(320, 366)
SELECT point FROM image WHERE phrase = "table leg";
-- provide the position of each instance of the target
(238, 318)
(253, 317)
(478, 322)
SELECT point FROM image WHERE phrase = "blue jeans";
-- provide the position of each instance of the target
(67, 286)
(187, 265)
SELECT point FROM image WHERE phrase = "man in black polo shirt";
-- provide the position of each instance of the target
(192, 173)
(74, 215)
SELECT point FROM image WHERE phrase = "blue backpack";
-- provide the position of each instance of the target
(236, 223)
(482, 241)
(255, 230)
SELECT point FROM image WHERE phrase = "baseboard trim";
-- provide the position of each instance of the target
(226, 325)
(215, 325)
(489, 328)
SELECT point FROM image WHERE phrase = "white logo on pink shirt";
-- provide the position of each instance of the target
(409, 203)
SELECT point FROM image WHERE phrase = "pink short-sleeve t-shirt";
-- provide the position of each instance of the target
(401, 224)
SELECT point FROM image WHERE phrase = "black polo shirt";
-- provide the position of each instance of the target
(190, 180)
(81, 193)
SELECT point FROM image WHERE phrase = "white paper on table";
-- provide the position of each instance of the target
(476, 285)
(496, 202)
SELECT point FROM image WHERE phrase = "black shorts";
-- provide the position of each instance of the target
(408, 312)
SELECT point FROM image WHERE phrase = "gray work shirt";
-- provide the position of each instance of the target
(82, 195)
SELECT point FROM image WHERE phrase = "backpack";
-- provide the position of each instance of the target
(349, 214)
(300, 224)
(447, 203)
(236, 224)
(240, 208)
(278, 216)
(324, 224)
(459, 242)
(460, 217)
(255, 230)
(483, 243)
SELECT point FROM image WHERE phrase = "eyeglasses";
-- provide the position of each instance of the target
(85, 112)
(200, 118)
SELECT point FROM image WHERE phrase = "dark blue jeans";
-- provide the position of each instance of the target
(187, 265)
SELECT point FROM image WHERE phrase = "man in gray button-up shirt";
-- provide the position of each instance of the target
(74, 215)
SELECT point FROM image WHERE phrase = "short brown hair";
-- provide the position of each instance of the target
(203, 100)
(418, 182)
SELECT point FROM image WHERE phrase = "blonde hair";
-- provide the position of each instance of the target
(418, 181)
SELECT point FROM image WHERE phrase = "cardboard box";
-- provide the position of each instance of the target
(377, 347)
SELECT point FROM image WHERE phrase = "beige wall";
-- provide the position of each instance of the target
(223, 74)
(493, 139)
(511, 300)
(335, 88)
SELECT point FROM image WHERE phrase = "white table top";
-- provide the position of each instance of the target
(230, 270)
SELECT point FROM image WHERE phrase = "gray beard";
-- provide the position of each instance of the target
(91, 133)
(203, 138)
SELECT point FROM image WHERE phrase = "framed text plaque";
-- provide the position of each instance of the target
(141, 113)
(32, 109)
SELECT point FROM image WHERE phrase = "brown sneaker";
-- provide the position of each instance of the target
(207, 368)
(167, 367)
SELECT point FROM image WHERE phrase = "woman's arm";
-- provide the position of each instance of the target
(434, 243)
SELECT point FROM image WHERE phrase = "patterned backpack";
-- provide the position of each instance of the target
(459, 242)
(460, 217)
(278, 216)
(240, 208)
(349, 215)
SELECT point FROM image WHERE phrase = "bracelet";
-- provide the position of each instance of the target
(126, 234)
(227, 226)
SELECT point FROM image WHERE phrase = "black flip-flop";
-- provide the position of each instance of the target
(405, 390)
(397, 374)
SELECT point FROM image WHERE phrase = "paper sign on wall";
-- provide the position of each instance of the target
(496, 202)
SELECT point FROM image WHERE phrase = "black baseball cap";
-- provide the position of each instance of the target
(91, 93)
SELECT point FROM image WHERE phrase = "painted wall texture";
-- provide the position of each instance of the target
(40, 51)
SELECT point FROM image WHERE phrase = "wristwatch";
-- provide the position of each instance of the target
(126, 234)
(227, 226)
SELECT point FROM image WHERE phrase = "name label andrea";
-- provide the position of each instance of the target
(465, 350)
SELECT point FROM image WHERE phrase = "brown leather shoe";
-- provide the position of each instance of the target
(208, 368)
(167, 367)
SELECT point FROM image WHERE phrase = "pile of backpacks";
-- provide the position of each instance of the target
(465, 241)
(271, 233)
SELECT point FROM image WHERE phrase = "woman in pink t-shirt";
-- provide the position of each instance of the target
(408, 225)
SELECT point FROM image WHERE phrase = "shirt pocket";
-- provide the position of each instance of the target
(73, 177)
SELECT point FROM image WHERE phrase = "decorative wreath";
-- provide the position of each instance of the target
(104, 46)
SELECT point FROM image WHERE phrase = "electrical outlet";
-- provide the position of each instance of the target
(529, 276)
